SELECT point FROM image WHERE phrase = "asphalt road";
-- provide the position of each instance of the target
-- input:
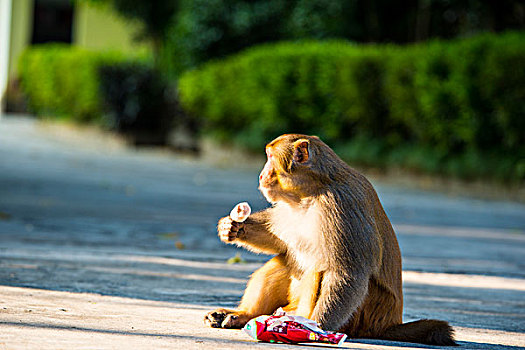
(84, 218)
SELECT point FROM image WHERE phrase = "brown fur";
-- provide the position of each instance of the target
(337, 257)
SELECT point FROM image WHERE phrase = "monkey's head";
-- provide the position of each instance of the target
(298, 166)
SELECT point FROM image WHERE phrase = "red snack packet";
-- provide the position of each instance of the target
(282, 328)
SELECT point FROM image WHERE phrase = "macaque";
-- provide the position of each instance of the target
(337, 260)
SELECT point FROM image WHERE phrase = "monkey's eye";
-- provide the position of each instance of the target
(267, 173)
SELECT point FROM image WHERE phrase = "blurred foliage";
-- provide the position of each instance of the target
(451, 107)
(126, 94)
(237, 259)
(186, 33)
(62, 81)
(207, 29)
(139, 101)
(447, 107)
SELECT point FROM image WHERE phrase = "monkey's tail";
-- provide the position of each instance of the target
(432, 332)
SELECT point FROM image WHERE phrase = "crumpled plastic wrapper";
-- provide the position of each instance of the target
(241, 212)
(283, 328)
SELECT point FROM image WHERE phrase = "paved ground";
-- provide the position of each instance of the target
(106, 247)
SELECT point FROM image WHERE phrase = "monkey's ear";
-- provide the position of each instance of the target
(300, 151)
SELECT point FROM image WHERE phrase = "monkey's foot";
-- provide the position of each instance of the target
(223, 318)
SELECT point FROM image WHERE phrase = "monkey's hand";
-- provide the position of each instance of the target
(229, 230)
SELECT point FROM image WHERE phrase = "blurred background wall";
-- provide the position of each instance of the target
(82, 24)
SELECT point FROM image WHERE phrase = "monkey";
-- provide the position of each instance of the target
(336, 256)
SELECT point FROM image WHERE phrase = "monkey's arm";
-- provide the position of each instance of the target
(339, 298)
(344, 284)
(252, 234)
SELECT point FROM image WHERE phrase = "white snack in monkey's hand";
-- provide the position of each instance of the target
(241, 212)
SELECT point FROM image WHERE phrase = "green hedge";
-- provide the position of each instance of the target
(449, 107)
(62, 81)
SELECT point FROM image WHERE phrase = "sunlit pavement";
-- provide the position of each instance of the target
(105, 247)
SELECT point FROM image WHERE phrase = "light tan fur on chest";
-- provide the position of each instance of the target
(299, 228)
